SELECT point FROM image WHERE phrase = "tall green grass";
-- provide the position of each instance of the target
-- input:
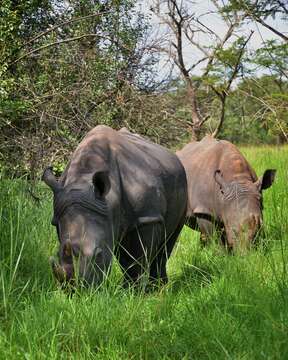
(214, 307)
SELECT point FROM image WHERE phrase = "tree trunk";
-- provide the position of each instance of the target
(196, 122)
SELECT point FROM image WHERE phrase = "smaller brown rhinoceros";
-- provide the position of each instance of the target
(223, 191)
(119, 194)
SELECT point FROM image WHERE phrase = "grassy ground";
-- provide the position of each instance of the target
(214, 307)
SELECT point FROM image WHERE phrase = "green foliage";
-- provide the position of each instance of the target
(260, 106)
(273, 56)
(260, 8)
(215, 306)
(256, 111)
(223, 67)
(64, 69)
(59, 82)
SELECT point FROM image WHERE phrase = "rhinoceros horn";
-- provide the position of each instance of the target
(58, 270)
(67, 249)
(49, 178)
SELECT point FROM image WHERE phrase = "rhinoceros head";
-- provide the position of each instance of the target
(241, 207)
(82, 222)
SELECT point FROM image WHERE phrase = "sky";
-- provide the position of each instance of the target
(205, 9)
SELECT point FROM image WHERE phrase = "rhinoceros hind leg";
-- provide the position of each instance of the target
(206, 228)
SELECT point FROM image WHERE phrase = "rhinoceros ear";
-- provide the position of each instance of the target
(218, 176)
(101, 183)
(49, 178)
(265, 181)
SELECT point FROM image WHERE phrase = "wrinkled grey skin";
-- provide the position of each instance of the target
(223, 191)
(143, 187)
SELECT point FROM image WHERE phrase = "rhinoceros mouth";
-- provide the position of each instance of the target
(65, 277)
(58, 270)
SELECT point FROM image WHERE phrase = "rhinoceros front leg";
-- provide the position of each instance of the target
(129, 261)
(203, 223)
(158, 274)
(143, 254)
(207, 229)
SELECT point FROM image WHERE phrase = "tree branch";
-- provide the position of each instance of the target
(59, 42)
(224, 93)
(53, 44)
(64, 23)
(263, 23)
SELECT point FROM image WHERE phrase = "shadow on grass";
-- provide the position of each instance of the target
(204, 268)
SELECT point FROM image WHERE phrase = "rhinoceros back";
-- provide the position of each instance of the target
(147, 180)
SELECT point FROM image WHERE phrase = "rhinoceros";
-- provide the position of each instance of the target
(223, 192)
(119, 194)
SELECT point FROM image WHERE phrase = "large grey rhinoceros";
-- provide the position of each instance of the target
(223, 191)
(120, 194)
